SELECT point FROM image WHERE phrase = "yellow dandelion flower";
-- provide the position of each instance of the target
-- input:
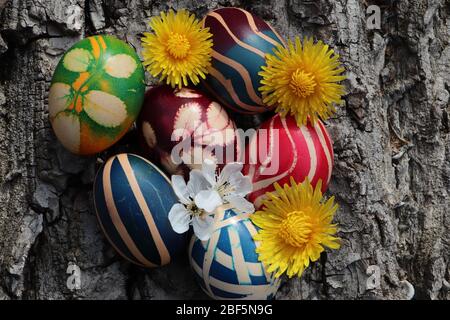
(302, 80)
(295, 225)
(178, 49)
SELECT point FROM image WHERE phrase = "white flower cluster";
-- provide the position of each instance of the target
(204, 193)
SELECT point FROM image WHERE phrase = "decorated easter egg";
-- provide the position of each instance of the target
(96, 94)
(133, 199)
(241, 41)
(226, 266)
(178, 128)
(280, 149)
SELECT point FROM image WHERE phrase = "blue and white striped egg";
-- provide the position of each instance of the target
(226, 266)
(241, 42)
(133, 199)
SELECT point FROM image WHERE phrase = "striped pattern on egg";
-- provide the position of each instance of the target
(283, 150)
(132, 200)
(226, 266)
(241, 41)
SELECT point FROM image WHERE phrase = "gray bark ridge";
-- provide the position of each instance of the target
(391, 144)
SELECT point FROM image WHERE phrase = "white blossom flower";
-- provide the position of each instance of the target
(187, 212)
(228, 187)
(204, 193)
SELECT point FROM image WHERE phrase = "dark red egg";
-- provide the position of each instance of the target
(178, 128)
(280, 149)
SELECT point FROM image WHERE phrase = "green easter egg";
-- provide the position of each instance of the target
(96, 94)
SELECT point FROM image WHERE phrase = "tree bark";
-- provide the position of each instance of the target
(391, 143)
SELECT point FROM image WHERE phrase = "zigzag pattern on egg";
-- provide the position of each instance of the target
(304, 152)
(227, 266)
(132, 210)
(241, 41)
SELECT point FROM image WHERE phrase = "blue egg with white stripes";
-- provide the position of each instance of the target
(132, 199)
(241, 42)
(226, 266)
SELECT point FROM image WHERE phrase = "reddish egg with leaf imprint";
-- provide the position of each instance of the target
(184, 125)
(280, 149)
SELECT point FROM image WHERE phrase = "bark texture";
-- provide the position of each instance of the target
(391, 143)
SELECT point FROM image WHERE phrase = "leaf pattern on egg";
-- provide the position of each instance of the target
(67, 129)
(217, 116)
(149, 134)
(104, 108)
(59, 98)
(77, 60)
(186, 93)
(100, 82)
(187, 119)
(120, 66)
(218, 130)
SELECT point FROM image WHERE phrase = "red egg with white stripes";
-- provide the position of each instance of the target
(280, 149)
